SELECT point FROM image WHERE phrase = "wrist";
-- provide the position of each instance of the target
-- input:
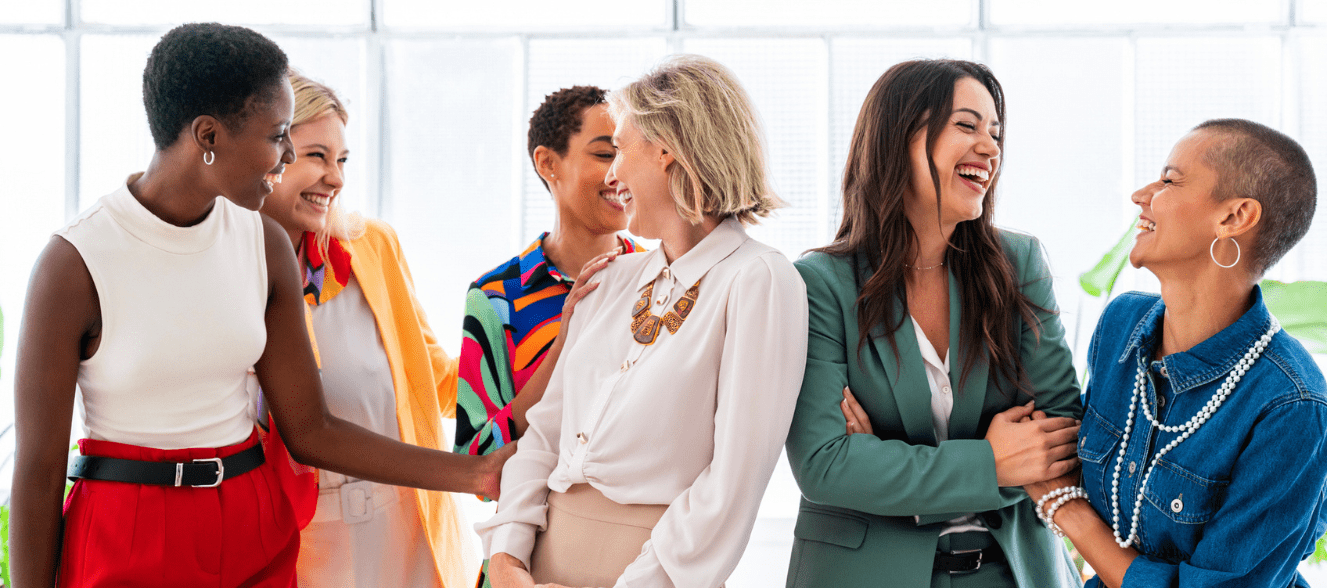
(1063, 496)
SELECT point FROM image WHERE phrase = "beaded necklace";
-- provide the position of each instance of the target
(645, 324)
(1186, 430)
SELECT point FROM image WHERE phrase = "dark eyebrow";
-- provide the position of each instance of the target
(969, 110)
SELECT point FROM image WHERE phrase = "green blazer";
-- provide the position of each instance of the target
(873, 505)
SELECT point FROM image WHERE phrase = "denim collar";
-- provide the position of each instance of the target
(1207, 361)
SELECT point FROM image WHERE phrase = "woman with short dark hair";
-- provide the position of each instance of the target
(155, 303)
(1203, 444)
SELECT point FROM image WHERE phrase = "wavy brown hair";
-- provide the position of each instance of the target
(911, 97)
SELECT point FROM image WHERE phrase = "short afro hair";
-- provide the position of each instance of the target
(1256, 161)
(207, 68)
(559, 117)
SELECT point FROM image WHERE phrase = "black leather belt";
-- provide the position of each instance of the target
(202, 473)
(967, 560)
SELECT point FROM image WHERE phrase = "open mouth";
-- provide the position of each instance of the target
(612, 198)
(624, 197)
(1146, 225)
(271, 180)
(317, 199)
(978, 177)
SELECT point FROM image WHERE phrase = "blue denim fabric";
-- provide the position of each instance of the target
(1240, 502)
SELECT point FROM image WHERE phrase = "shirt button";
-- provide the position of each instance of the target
(1133, 467)
(667, 274)
(626, 365)
(945, 389)
(1161, 401)
(1177, 505)
(1164, 372)
(582, 438)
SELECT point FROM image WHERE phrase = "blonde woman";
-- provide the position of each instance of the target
(646, 459)
(382, 369)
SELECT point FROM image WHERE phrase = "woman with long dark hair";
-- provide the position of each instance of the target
(946, 329)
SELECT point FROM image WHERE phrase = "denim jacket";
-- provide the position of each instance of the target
(1238, 503)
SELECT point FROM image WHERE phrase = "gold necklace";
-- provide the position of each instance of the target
(645, 324)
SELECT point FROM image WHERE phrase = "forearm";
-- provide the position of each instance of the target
(1095, 541)
(534, 388)
(344, 447)
(35, 527)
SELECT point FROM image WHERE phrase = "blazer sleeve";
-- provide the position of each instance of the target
(887, 477)
(1046, 356)
(445, 367)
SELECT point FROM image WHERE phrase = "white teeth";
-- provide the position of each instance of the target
(1145, 225)
(971, 170)
(624, 197)
(319, 200)
(273, 178)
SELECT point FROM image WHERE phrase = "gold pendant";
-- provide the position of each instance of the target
(645, 325)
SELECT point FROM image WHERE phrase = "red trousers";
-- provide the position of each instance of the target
(241, 533)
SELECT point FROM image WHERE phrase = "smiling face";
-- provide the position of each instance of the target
(248, 158)
(639, 176)
(577, 181)
(301, 201)
(966, 156)
(1179, 215)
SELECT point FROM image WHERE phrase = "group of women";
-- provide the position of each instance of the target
(627, 407)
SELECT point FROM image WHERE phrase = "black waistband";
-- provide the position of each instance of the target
(199, 472)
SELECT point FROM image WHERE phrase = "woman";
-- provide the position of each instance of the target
(382, 369)
(946, 329)
(156, 302)
(514, 313)
(1202, 444)
(646, 459)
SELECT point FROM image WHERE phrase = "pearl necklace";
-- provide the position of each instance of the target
(1186, 430)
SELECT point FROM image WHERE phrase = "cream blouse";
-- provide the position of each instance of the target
(695, 421)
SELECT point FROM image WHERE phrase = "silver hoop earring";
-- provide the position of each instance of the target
(1211, 250)
(209, 157)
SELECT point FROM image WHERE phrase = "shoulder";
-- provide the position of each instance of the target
(1017, 243)
(378, 239)
(823, 271)
(1303, 379)
(1026, 253)
(504, 271)
(757, 263)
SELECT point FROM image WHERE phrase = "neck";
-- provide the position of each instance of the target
(1199, 304)
(569, 246)
(170, 190)
(683, 236)
(932, 239)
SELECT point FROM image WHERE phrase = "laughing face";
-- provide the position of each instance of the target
(1179, 216)
(250, 159)
(639, 176)
(966, 156)
(300, 202)
(577, 181)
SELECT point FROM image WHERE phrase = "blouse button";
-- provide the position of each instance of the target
(1177, 505)
(667, 274)
(582, 438)
(626, 365)
(946, 389)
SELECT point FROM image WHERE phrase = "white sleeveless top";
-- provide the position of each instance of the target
(182, 314)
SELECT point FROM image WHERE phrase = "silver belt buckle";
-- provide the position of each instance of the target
(966, 551)
(357, 502)
(221, 472)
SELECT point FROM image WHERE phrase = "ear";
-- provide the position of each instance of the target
(545, 161)
(1242, 214)
(203, 132)
(666, 159)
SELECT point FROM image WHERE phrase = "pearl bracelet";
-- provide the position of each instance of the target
(1053, 494)
(1049, 519)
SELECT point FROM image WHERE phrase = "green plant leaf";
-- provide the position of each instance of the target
(1100, 280)
(4, 544)
(1302, 309)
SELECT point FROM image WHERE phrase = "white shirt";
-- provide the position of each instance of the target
(942, 405)
(182, 321)
(695, 421)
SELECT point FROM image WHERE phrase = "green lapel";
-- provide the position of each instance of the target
(968, 402)
(911, 391)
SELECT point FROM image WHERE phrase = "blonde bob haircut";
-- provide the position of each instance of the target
(313, 101)
(695, 109)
